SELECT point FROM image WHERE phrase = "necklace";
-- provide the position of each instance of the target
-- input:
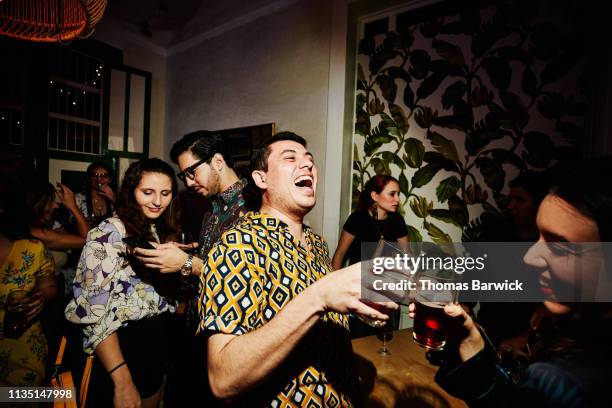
(375, 216)
(99, 205)
(382, 232)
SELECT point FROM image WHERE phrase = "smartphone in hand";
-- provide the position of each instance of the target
(137, 241)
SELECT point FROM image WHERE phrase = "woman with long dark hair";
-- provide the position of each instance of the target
(376, 219)
(568, 363)
(41, 199)
(118, 300)
(97, 199)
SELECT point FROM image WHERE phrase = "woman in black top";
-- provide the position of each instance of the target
(376, 218)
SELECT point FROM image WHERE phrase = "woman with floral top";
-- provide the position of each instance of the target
(25, 265)
(122, 305)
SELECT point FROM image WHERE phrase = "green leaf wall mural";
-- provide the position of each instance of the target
(456, 106)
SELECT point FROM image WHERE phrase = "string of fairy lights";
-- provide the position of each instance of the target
(74, 102)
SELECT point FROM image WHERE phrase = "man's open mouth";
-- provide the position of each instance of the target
(304, 181)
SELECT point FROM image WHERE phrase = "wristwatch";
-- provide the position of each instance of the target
(186, 268)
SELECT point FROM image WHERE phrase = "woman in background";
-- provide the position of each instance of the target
(118, 301)
(97, 199)
(25, 264)
(41, 199)
(41, 202)
(375, 220)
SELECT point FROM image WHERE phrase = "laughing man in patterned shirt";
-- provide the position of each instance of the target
(274, 315)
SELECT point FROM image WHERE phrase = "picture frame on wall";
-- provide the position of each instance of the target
(243, 142)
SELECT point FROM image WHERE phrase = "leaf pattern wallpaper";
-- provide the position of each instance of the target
(456, 104)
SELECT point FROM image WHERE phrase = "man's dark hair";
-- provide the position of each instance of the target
(260, 157)
(535, 184)
(203, 144)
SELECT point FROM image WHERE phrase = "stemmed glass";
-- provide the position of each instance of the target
(384, 327)
(186, 238)
(385, 333)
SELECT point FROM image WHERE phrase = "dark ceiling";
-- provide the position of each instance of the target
(158, 15)
(182, 18)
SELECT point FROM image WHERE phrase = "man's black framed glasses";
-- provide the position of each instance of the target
(189, 172)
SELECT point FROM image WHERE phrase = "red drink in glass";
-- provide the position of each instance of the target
(430, 325)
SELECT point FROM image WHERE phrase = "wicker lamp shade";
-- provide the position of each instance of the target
(50, 20)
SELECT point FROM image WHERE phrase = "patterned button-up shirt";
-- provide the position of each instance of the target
(252, 272)
(226, 209)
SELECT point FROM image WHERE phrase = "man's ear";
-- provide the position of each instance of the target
(217, 162)
(259, 177)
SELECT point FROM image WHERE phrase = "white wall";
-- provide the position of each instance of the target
(283, 62)
(273, 69)
(56, 166)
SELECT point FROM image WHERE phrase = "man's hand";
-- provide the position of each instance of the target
(167, 258)
(341, 292)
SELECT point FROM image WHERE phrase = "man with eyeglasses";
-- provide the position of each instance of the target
(206, 168)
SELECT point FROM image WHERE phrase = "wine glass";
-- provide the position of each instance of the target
(385, 333)
(384, 327)
(370, 321)
(186, 238)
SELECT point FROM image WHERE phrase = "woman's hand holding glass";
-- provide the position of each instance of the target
(34, 304)
(21, 308)
(462, 330)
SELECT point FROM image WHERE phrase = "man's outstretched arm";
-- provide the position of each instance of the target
(231, 374)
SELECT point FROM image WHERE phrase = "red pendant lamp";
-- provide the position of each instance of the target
(50, 20)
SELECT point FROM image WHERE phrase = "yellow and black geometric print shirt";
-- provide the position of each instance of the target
(252, 272)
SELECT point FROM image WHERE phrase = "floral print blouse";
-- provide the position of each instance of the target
(22, 360)
(107, 293)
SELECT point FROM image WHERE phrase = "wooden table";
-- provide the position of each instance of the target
(403, 378)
